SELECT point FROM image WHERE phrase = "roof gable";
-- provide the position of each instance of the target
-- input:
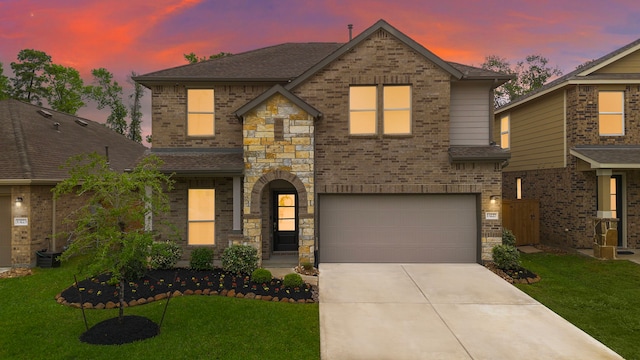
(588, 72)
(380, 25)
(277, 89)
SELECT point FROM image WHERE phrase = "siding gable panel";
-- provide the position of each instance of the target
(538, 134)
(470, 114)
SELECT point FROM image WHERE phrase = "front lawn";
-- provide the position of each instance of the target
(600, 297)
(195, 327)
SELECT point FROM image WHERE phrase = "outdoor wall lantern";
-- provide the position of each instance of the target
(493, 198)
(19, 201)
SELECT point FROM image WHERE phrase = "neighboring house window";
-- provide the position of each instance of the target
(201, 215)
(362, 110)
(518, 188)
(505, 134)
(611, 113)
(397, 110)
(200, 112)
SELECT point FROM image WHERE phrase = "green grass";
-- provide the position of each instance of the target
(600, 297)
(34, 326)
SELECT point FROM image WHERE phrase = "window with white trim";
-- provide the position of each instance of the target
(200, 112)
(201, 217)
(611, 113)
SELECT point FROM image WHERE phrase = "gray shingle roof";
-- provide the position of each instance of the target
(201, 161)
(33, 148)
(290, 62)
(609, 156)
(478, 153)
(275, 63)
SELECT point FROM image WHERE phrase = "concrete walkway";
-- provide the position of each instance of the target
(439, 311)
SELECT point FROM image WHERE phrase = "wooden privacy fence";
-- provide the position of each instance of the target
(522, 217)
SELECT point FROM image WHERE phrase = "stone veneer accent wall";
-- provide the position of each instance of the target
(285, 153)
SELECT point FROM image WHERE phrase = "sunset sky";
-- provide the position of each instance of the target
(149, 35)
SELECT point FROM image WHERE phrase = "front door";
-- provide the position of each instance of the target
(285, 221)
(5, 231)
(617, 208)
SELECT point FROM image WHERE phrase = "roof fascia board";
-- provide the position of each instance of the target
(22, 182)
(591, 69)
(241, 112)
(381, 24)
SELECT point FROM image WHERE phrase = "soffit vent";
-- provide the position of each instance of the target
(45, 113)
(81, 122)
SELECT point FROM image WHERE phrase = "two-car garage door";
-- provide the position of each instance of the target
(398, 228)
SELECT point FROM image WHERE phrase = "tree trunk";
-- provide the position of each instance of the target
(121, 310)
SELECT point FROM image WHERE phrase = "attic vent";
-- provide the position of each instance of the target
(381, 34)
(81, 122)
(45, 113)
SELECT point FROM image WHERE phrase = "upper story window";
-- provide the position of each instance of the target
(397, 110)
(362, 110)
(611, 113)
(200, 112)
(364, 114)
(505, 132)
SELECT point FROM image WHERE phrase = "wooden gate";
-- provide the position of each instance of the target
(522, 217)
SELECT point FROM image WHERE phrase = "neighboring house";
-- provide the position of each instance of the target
(375, 150)
(575, 146)
(34, 143)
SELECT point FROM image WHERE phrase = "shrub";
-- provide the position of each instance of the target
(201, 259)
(506, 257)
(508, 238)
(261, 276)
(240, 259)
(165, 255)
(292, 280)
(307, 266)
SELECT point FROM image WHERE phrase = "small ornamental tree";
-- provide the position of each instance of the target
(109, 229)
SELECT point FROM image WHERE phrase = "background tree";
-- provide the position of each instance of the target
(531, 74)
(109, 229)
(135, 131)
(108, 93)
(29, 82)
(65, 88)
(5, 86)
(193, 58)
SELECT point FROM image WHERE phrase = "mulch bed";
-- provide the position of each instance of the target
(514, 276)
(113, 332)
(96, 293)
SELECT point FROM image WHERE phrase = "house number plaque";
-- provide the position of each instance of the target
(491, 215)
(20, 221)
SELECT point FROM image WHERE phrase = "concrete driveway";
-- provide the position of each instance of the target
(439, 311)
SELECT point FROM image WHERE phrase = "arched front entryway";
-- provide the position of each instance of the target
(279, 221)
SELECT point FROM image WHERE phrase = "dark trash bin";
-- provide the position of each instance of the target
(47, 259)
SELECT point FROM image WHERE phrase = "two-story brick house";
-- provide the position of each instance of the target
(375, 150)
(575, 146)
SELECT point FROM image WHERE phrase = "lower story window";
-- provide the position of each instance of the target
(201, 217)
